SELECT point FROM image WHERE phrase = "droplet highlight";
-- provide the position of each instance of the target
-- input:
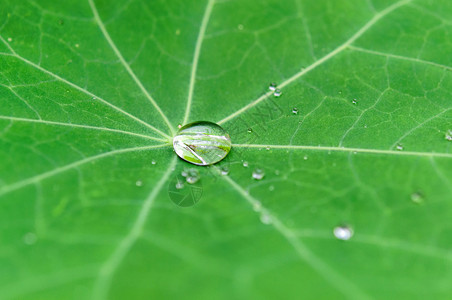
(295, 111)
(449, 135)
(202, 143)
(258, 174)
(272, 86)
(343, 233)
(277, 93)
(417, 197)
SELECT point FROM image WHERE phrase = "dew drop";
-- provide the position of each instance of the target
(179, 185)
(179, 126)
(277, 93)
(449, 135)
(257, 206)
(10, 39)
(77, 45)
(354, 101)
(343, 233)
(272, 86)
(240, 27)
(250, 130)
(202, 143)
(258, 174)
(139, 183)
(266, 219)
(267, 148)
(417, 197)
(30, 238)
(153, 162)
(192, 176)
(245, 163)
(399, 147)
(224, 171)
(305, 157)
(271, 188)
(295, 111)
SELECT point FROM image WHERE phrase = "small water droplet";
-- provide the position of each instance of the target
(224, 170)
(179, 126)
(258, 174)
(343, 233)
(30, 238)
(250, 130)
(257, 206)
(266, 219)
(139, 183)
(179, 185)
(272, 86)
(417, 197)
(340, 92)
(240, 27)
(184, 173)
(271, 188)
(354, 101)
(267, 148)
(153, 162)
(77, 45)
(202, 143)
(277, 93)
(277, 172)
(245, 163)
(295, 111)
(10, 39)
(177, 31)
(449, 135)
(305, 157)
(399, 147)
(192, 176)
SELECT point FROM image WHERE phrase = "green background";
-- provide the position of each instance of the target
(91, 93)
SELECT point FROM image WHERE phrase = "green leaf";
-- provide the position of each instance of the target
(92, 92)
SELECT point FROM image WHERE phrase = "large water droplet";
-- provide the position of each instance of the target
(277, 93)
(202, 143)
(399, 147)
(343, 232)
(245, 163)
(258, 174)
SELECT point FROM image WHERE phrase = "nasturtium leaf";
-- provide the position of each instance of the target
(355, 201)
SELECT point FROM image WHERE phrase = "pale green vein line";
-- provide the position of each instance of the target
(20, 289)
(409, 132)
(202, 32)
(317, 63)
(411, 59)
(108, 269)
(86, 92)
(385, 242)
(15, 119)
(335, 279)
(19, 184)
(343, 149)
(126, 65)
